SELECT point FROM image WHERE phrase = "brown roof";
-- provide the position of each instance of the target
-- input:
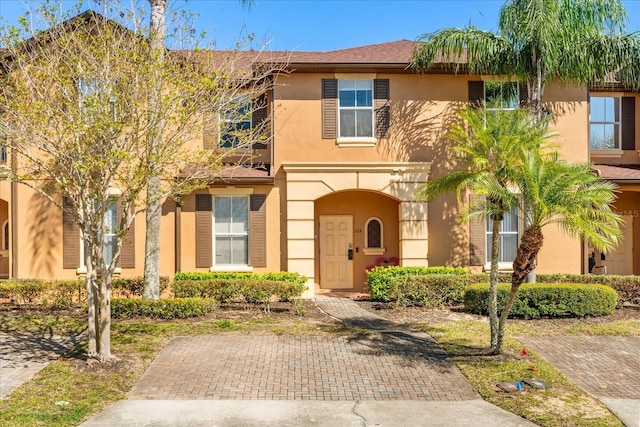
(397, 52)
(619, 173)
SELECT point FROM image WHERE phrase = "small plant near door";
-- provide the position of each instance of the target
(383, 262)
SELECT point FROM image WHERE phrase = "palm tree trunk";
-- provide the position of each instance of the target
(493, 282)
(526, 255)
(154, 202)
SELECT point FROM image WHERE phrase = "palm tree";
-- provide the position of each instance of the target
(488, 147)
(570, 196)
(538, 41)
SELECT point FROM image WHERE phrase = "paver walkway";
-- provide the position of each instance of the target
(385, 362)
(22, 357)
(602, 366)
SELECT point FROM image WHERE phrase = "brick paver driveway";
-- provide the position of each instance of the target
(386, 362)
(606, 367)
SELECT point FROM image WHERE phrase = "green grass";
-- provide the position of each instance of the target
(562, 405)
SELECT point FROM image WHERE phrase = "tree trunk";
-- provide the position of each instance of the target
(92, 302)
(154, 202)
(105, 316)
(526, 255)
(493, 282)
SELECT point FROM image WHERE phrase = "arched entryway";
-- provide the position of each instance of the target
(356, 230)
(312, 189)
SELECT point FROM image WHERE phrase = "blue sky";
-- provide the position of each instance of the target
(328, 24)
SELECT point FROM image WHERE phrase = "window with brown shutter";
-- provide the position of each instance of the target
(204, 230)
(70, 237)
(628, 123)
(259, 115)
(476, 93)
(258, 230)
(382, 107)
(329, 108)
(128, 250)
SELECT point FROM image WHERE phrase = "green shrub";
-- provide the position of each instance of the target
(432, 290)
(280, 276)
(161, 309)
(134, 286)
(379, 278)
(23, 290)
(537, 300)
(252, 290)
(65, 294)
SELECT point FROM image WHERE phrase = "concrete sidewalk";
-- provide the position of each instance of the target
(250, 413)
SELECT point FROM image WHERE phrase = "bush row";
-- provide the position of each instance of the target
(64, 294)
(546, 300)
(249, 290)
(279, 276)
(161, 309)
(379, 278)
(432, 290)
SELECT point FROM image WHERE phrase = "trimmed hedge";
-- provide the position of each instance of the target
(627, 287)
(537, 300)
(433, 290)
(249, 290)
(280, 276)
(379, 278)
(161, 309)
(134, 286)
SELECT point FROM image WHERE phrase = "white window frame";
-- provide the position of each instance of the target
(229, 118)
(373, 250)
(230, 267)
(357, 140)
(502, 265)
(617, 150)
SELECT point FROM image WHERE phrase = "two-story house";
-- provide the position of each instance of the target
(353, 134)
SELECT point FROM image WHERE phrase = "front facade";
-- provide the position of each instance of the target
(354, 134)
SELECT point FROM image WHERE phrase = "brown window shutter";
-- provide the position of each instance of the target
(204, 231)
(258, 230)
(381, 106)
(476, 93)
(628, 123)
(329, 108)
(258, 117)
(477, 239)
(70, 237)
(128, 251)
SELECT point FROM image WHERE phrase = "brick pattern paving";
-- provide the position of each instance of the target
(606, 367)
(22, 357)
(386, 363)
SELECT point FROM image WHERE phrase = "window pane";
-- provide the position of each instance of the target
(596, 136)
(347, 123)
(510, 97)
(609, 110)
(597, 109)
(365, 128)
(374, 234)
(347, 98)
(364, 98)
(239, 252)
(110, 230)
(509, 245)
(223, 250)
(240, 215)
(222, 214)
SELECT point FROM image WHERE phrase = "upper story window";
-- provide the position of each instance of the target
(509, 236)
(604, 123)
(235, 122)
(501, 95)
(90, 95)
(355, 98)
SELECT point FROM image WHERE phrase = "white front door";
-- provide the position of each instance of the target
(620, 260)
(336, 242)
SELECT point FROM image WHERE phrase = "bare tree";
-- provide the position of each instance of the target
(78, 111)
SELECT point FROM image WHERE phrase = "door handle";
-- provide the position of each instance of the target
(350, 254)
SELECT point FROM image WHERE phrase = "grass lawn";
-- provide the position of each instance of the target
(89, 386)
